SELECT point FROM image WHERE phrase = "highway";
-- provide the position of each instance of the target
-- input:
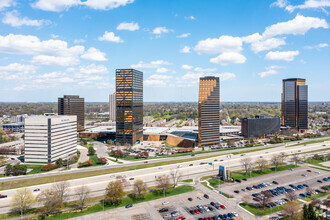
(77, 170)
(97, 184)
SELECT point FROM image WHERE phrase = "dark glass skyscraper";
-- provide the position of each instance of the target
(129, 106)
(73, 105)
(295, 104)
(208, 111)
(260, 126)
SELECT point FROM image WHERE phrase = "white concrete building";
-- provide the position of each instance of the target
(48, 138)
(112, 107)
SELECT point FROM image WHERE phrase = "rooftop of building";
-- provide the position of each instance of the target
(293, 79)
(16, 123)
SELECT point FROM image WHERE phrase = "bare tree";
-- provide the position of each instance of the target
(163, 183)
(296, 159)
(114, 193)
(22, 200)
(139, 189)
(291, 195)
(290, 209)
(176, 176)
(276, 161)
(61, 188)
(83, 195)
(246, 198)
(261, 164)
(247, 164)
(266, 197)
(316, 203)
(49, 200)
(325, 188)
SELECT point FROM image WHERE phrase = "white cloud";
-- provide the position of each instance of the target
(55, 60)
(217, 45)
(48, 52)
(185, 49)
(54, 36)
(186, 67)
(152, 64)
(191, 79)
(183, 35)
(162, 70)
(13, 19)
(297, 26)
(61, 5)
(106, 4)
(267, 44)
(6, 3)
(309, 4)
(270, 70)
(110, 36)
(279, 3)
(78, 41)
(157, 81)
(228, 58)
(160, 30)
(128, 26)
(318, 46)
(16, 71)
(282, 55)
(190, 18)
(199, 69)
(94, 54)
(93, 69)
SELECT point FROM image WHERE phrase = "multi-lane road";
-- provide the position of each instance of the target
(97, 184)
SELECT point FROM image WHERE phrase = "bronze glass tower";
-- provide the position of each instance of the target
(295, 104)
(73, 105)
(129, 106)
(208, 111)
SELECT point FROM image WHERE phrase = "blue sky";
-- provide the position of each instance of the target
(51, 48)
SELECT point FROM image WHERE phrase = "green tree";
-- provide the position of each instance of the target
(114, 193)
(8, 169)
(139, 189)
(91, 151)
(59, 162)
(19, 169)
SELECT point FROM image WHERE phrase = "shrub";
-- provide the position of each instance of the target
(102, 160)
(143, 154)
(49, 167)
(87, 163)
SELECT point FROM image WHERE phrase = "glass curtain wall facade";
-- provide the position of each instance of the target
(73, 105)
(295, 104)
(208, 111)
(129, 106)
(260, 126)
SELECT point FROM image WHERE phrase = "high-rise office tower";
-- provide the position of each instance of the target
(73, 105)
(295, 104)
(129, 106)
(208, 111)
(112, 107)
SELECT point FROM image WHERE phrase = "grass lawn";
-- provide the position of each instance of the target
(319, 168)
(95, 159)
(242, 175)
(35, 168)
(316, 162)
(316, 196)
(260, 211)
(88, 145)
(187, 180)
(205, 184)
(215, 183)
(310, 142)
(97, 208)
(116, 161)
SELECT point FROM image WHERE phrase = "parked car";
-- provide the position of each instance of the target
(190, 199)
(236, 191)
(206, 196)
(165, 202)
(275, 182)
(319, 181)
(238, 180)
(244, 179)
(132, 178)
(129, 206)
(308, 170)
(163, 210)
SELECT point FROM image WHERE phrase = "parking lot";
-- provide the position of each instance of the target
(178, 205)
(279, 184)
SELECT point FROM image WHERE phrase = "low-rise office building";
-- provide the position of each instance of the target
(48, 138)
(14, 127)
(260, 126)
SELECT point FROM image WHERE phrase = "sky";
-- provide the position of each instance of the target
(73, 47)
